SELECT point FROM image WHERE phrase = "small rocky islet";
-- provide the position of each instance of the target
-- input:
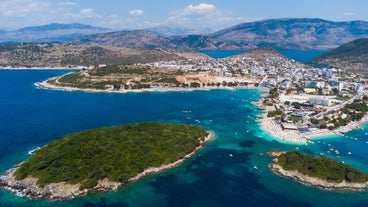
(318, 171)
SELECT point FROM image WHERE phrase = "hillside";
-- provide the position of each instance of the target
(131, 39)
(50, 33)
(104, 157)
(294, 33)
(299, 34)
(177, 31)
(261, 54)
(69, 55)
(350, 56)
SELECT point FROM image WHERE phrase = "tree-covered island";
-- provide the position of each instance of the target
(103, 159)
(318, 171)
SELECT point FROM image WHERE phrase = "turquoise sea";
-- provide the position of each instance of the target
(231, 170)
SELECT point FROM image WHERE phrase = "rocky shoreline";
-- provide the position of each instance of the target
(311, 181)
(64, 191)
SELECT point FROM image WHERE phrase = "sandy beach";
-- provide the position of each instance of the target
(274, 129)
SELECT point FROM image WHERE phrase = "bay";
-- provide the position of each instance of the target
(232, 169)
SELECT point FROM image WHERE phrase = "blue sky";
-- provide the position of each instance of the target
(137, 14)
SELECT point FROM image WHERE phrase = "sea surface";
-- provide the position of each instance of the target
(231, 170)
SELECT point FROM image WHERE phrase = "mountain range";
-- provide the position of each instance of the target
(50, 33)
(298, 34)
(291, 33)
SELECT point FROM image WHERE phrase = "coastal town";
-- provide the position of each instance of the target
(300, 101)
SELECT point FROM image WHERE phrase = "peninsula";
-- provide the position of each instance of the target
(300, 102)
(318, 171)
(104, 159)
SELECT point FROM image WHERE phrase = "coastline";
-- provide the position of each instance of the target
(311, 181)
(40, 68)
(45, 85)
(274, 129)
(64, 191)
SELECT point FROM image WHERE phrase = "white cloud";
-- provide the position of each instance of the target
(136, 12)
(89, 13)
(21, 8)
(84, 13)
(201, 15)
(68, 3)
(199, 9)
(349, 14)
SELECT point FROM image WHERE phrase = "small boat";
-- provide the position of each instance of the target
(231, 155)
(255, 167)
(349, 153)
(337, 152)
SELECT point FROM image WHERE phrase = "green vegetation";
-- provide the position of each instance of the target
(116, 77)
(321, 167)
(117, 153)
(355, 48)
(273, 93)
(274, 113)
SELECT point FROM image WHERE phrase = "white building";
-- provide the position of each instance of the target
(320, 101)
(359, 89)
(314, 84)
(337, 84)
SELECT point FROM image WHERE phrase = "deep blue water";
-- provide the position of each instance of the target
(31, 117)
(303, 56)
(221, 53)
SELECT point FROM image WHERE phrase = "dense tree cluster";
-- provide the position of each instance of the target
(117, 153)
(321, 167)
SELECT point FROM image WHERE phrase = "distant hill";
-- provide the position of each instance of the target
(68, 55)
(293, 33)
(298, 34)
(352, 55)
(260, 54)
(197, 42)
(177, 31)
(50, 33)
(131, 39)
